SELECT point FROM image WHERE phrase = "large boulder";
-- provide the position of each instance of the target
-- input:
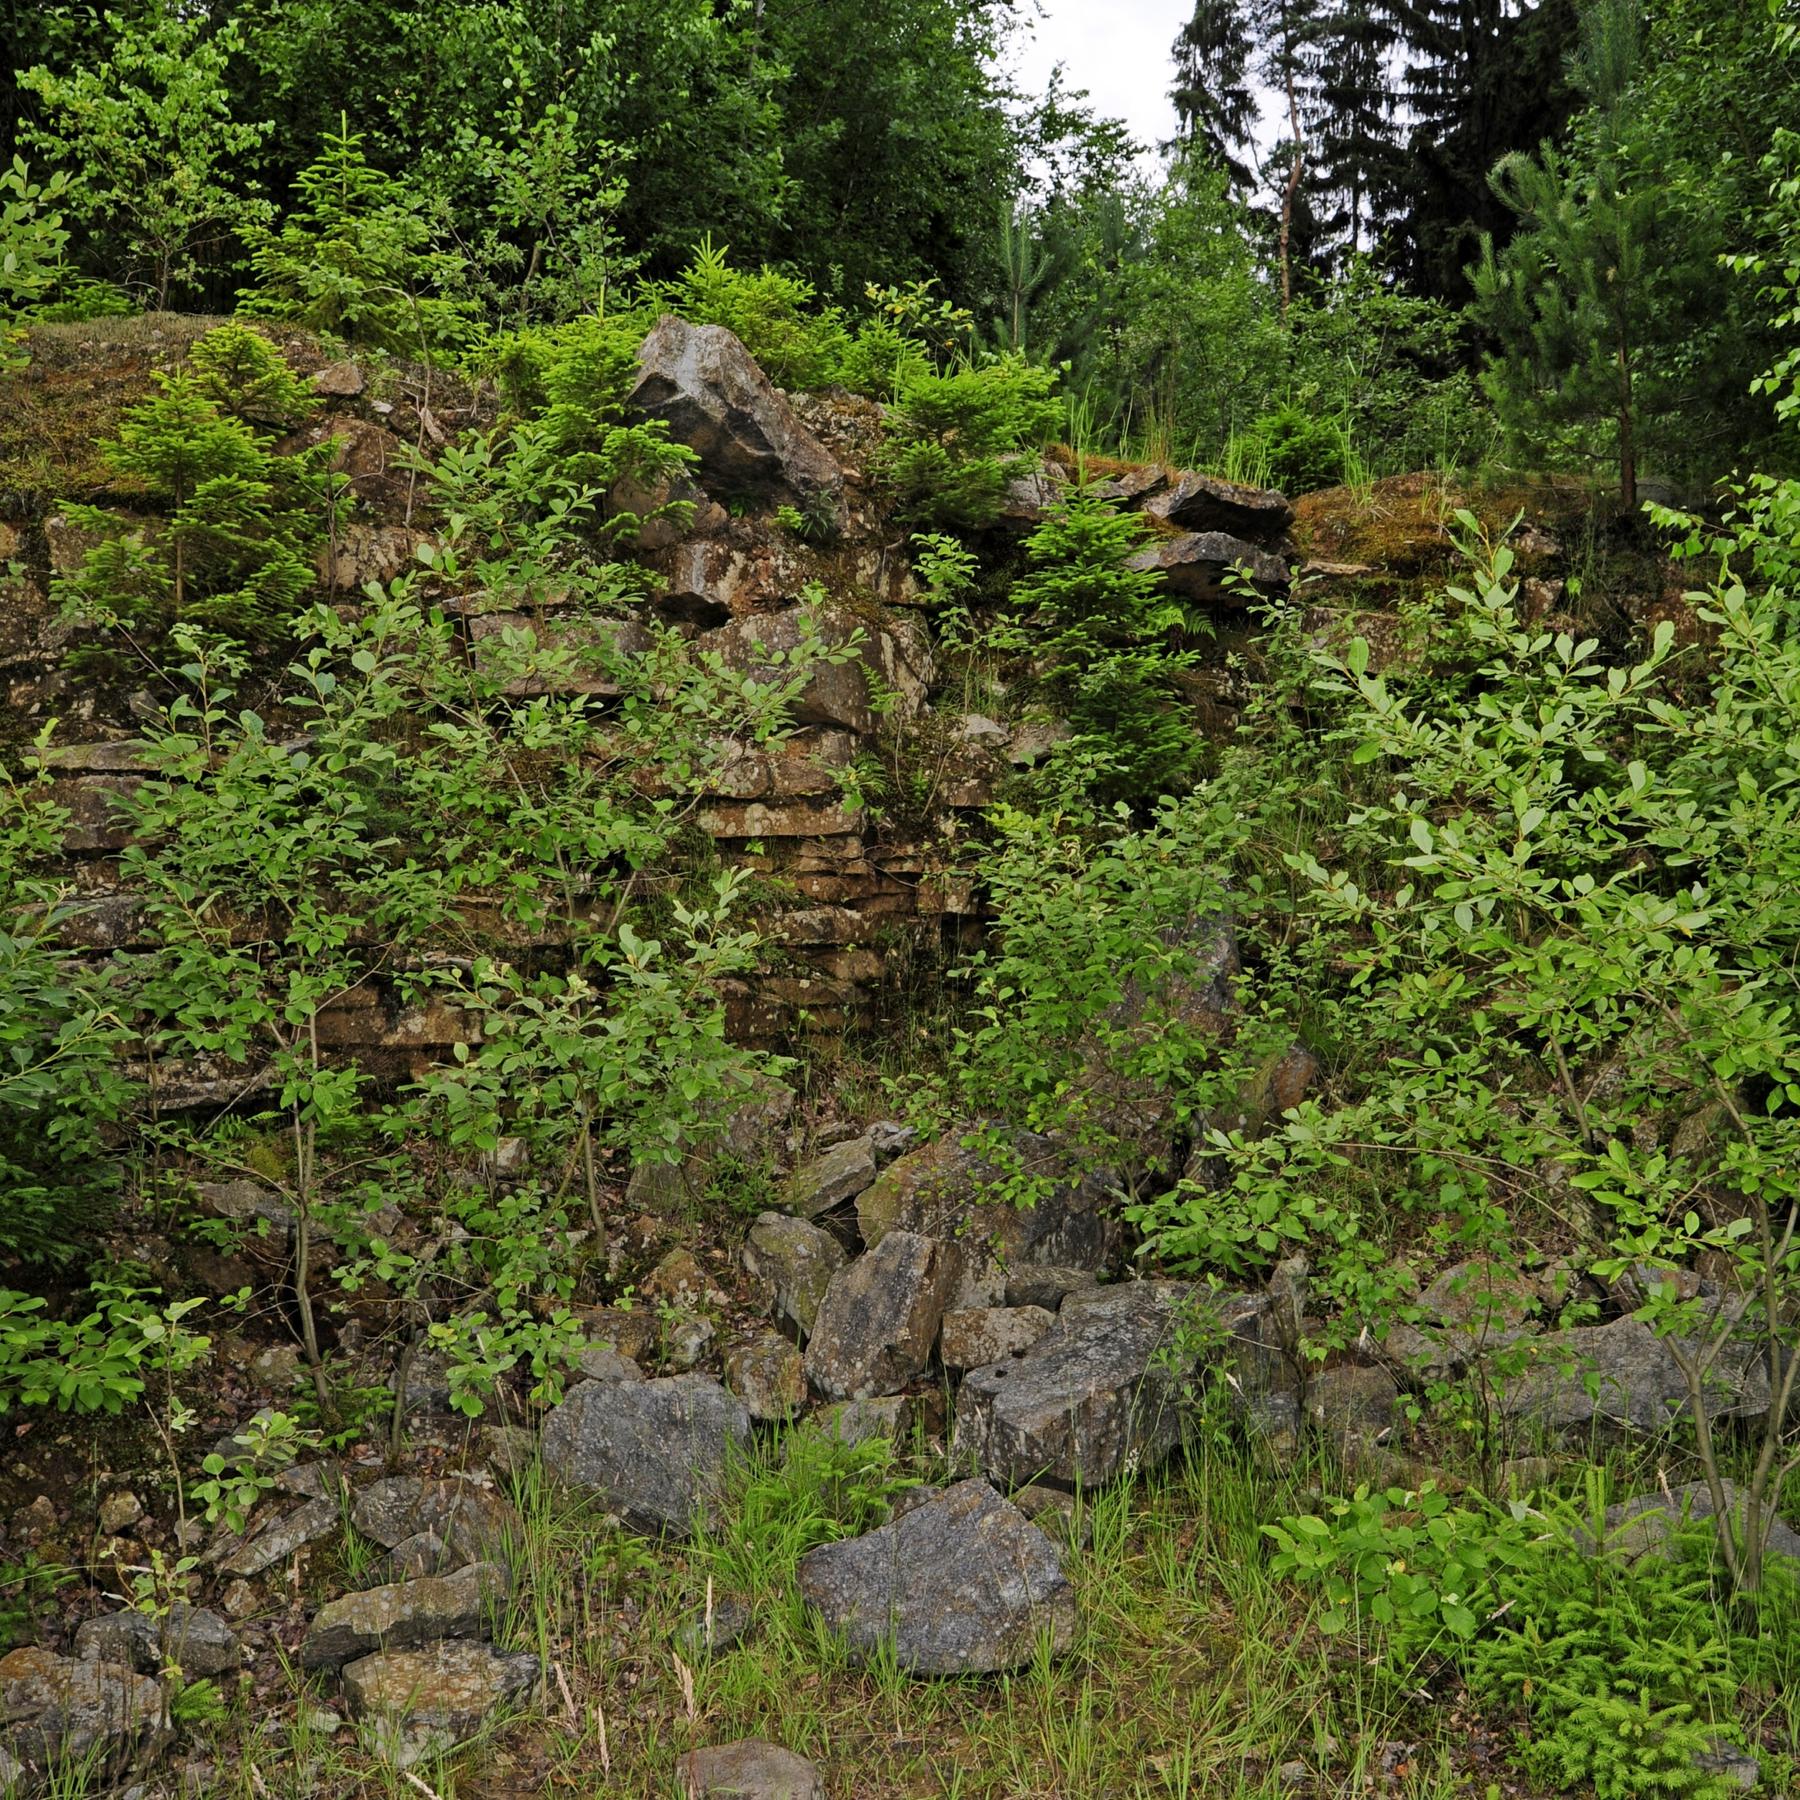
(58, 1709)
(716, 400)
(1102, 1392)
(403, 1615)
(947, 1191)
(1642, 1525)
(962, 1584)
(1196, 565)
(880, 1317)
(1207, 503)
(765, 646)
(1471, 1310)
(797, 1260)
(990, 1334)
(1622, 1376)
(656, 1452)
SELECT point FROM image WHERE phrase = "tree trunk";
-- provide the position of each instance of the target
(1292, 191)
(1627, 443)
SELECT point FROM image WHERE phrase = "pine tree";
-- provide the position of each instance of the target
(1600, 276)
(1213, 95)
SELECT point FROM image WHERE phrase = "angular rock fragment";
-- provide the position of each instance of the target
(654, 1451)
(1207, 503)
(961, 1584)
(403, 1615)
(56, 1709)
(197, 1641)
(947, 1191)
(748, 1770)
(1197, 566)
(839, 1174)
(1103, 1391)
(797, 1259)
(768, 1375)
(880, 1317)
(716, 400)
(427, 1699)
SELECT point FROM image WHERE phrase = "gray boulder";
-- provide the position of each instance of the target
(656, 1452)
(1622, 1376)
(59, 1709)
(1196, 565)
(197, 1641)
(1206, 503)
(963, 1583)
(403, 1615)
(1641, 1526)
(423, 1701)
(748, 1770)
(1103, 1391)
(716, 400)
(880, 1317)
(1471, 1310)
(276, 1542)
(797, 1260)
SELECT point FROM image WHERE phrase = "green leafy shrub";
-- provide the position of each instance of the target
(64, 1033)
(777, 317)
(32, 241)
(354, 258)
(1624, 1670)
(955, 440)
(1101, 632)
(231, 545)
(1300, 451)
(571, 383)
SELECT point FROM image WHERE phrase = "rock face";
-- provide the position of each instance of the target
(1101, 1391)
(1206, 503)
(433, 1697)
(1635, 1379)
(57, 1709)
(716, 399)
(942, 1191)
(199, 1642)
(880, 1318)
(1196, 564)
(654, 1451)
(798, 1261)
(402, 1616)
(748, 1770)
(961, 1584)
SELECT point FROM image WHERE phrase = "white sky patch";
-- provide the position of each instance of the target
(1119, 50)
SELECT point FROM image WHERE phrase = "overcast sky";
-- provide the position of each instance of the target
(1117, 49)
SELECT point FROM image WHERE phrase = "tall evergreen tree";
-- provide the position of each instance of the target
(1213, 94)
(1587, 305)
(1480, 79)
(1351, 100)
